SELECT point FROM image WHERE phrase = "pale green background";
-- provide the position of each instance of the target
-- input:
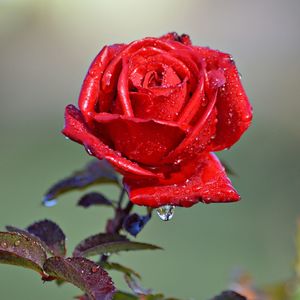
(45, 49)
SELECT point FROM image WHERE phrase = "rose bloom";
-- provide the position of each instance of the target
(156, 109)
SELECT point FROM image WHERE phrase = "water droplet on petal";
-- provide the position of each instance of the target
(204, 102)
(17, 243)
(247, 117)
(67, 138)
(178, 161)
(166, 212)
(49, 202)
(88, 150)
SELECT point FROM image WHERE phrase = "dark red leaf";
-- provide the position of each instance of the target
(93, 198)
(47, 233)
(51, 234)
(229, 295)
(30, 236)
(109, 243)
(119, 268)
(96, 240)
(83, 273)
(18, 249)
(97, 171)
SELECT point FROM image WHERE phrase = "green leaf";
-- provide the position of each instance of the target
(124, 296)
(18, 249)
(120, 268)
(83, 273)
(157, 297)
(97, 171)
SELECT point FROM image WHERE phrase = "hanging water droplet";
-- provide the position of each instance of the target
(166, 212)
(17, 243)
(49, 202)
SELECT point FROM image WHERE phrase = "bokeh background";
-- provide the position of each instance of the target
(45, 50)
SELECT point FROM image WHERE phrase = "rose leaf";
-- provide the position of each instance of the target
(97, 171)
(51, 234)
(29, 235)
(119, 268)
(93, 198)
(229, 295)
(119, 295)
(108, 243)
(83, 273)
(21, 250)
(47, 233)
(96, 240)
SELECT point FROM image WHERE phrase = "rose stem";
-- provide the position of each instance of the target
(120, 215)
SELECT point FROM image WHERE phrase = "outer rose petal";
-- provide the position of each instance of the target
(90, 90)
(234, 109)
(143, 140)
(76, 129)
(209, 183)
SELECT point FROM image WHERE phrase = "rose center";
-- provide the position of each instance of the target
(152, 79)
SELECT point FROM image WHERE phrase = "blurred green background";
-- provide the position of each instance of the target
(45, 50)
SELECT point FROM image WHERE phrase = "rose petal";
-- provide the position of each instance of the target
(174, 36)
(199, 135)
(234, 109)
(109, 74)
(142, 140)
(159, 103)
(208, 183)
(89, 93)
(193, 104)
(76, 129)
(123, 93)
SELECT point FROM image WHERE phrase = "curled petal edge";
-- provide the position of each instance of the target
(76, 130)
(209, 184)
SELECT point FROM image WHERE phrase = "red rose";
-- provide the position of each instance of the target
(156, 109)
